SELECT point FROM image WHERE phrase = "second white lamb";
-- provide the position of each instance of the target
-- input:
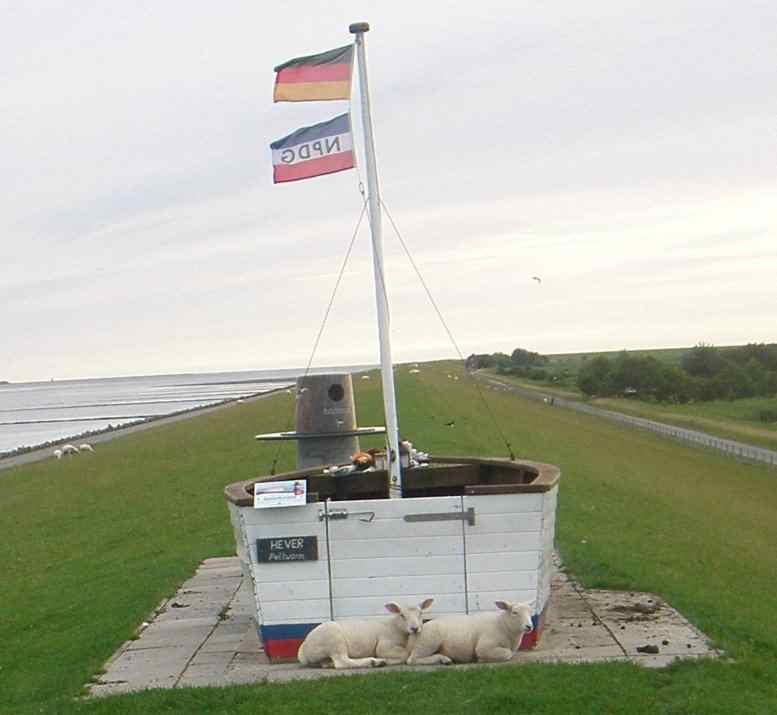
(489, 637)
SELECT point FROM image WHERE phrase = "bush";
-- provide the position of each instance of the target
(595, 378)
(703, 361)
(526, 358)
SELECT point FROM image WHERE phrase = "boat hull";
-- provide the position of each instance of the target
(467, 532)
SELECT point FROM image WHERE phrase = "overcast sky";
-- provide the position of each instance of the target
(625, 152)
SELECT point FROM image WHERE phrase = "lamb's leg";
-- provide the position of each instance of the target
(327, 643)
(490, 653)
(424, 651)
(392, 653)
(343, 661)
(436, 659)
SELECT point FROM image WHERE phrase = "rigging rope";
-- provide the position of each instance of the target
(323, 322)
(447, 329)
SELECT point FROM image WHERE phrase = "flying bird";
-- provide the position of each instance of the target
(536, 278)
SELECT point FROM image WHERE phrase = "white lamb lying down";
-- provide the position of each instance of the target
(486, 637)
(365, 644)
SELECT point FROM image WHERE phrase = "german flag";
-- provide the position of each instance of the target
(315, 77)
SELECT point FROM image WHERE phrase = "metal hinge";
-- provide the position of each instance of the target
(468, 516)
(334, 514)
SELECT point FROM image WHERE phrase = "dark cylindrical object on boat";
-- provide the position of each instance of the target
(325, 405)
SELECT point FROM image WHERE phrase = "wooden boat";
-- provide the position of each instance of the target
(467, 531)
(464, 530)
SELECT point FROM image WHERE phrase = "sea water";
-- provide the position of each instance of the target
(34, 413)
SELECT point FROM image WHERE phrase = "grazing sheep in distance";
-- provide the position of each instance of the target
(85, 447)
(485, 637)
(58, 453)
(365, 644)
(69, 449)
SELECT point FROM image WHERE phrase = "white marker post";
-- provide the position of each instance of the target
(373, 201)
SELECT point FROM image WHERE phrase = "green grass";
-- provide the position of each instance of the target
(91, 545)
(732, 419)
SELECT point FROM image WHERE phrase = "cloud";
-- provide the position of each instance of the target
(624, 152)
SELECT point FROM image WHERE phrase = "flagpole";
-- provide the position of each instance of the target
(373, 199)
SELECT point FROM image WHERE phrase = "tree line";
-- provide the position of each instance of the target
(520, 362)
(704, 373)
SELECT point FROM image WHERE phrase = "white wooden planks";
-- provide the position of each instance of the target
(378, 556)
(484, 563)
(548, 542)
(295, 592)
(235, 518)
(505, 548)
(374, 555)
(404, 566)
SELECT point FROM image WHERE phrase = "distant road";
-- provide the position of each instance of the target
(740, 450)
(47, 452)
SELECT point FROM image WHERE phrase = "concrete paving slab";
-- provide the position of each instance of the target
(202, 675)
(250, 643)
(148, 668)
(180, 633)
(214, 575)
(217, 562)
(223, 658)
(255, 658)
(569, 634)
(204, 636)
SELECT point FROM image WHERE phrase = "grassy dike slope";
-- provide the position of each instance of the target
(91, 545)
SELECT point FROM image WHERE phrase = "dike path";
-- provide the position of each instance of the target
(738, 450)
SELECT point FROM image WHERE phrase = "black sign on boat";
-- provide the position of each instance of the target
(283, 549)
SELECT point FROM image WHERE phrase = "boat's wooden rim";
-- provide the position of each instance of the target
(545, 477)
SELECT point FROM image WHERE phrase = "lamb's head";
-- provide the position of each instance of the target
(516, 615)
(409, 619)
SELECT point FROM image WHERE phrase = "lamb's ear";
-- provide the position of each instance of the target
(393, 607)
(504, 605)
(426, 604)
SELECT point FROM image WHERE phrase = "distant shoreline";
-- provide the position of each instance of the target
(26, 455)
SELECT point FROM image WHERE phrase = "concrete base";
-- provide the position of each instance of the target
(205, 636)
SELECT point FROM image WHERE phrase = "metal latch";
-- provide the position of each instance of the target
(468, 516)
(333, 514)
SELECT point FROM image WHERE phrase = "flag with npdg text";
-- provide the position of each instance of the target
(315, 77)
(312, 151)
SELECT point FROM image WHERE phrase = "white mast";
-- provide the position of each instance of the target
(373, 199)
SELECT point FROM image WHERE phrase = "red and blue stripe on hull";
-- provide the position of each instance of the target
(282, 641)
